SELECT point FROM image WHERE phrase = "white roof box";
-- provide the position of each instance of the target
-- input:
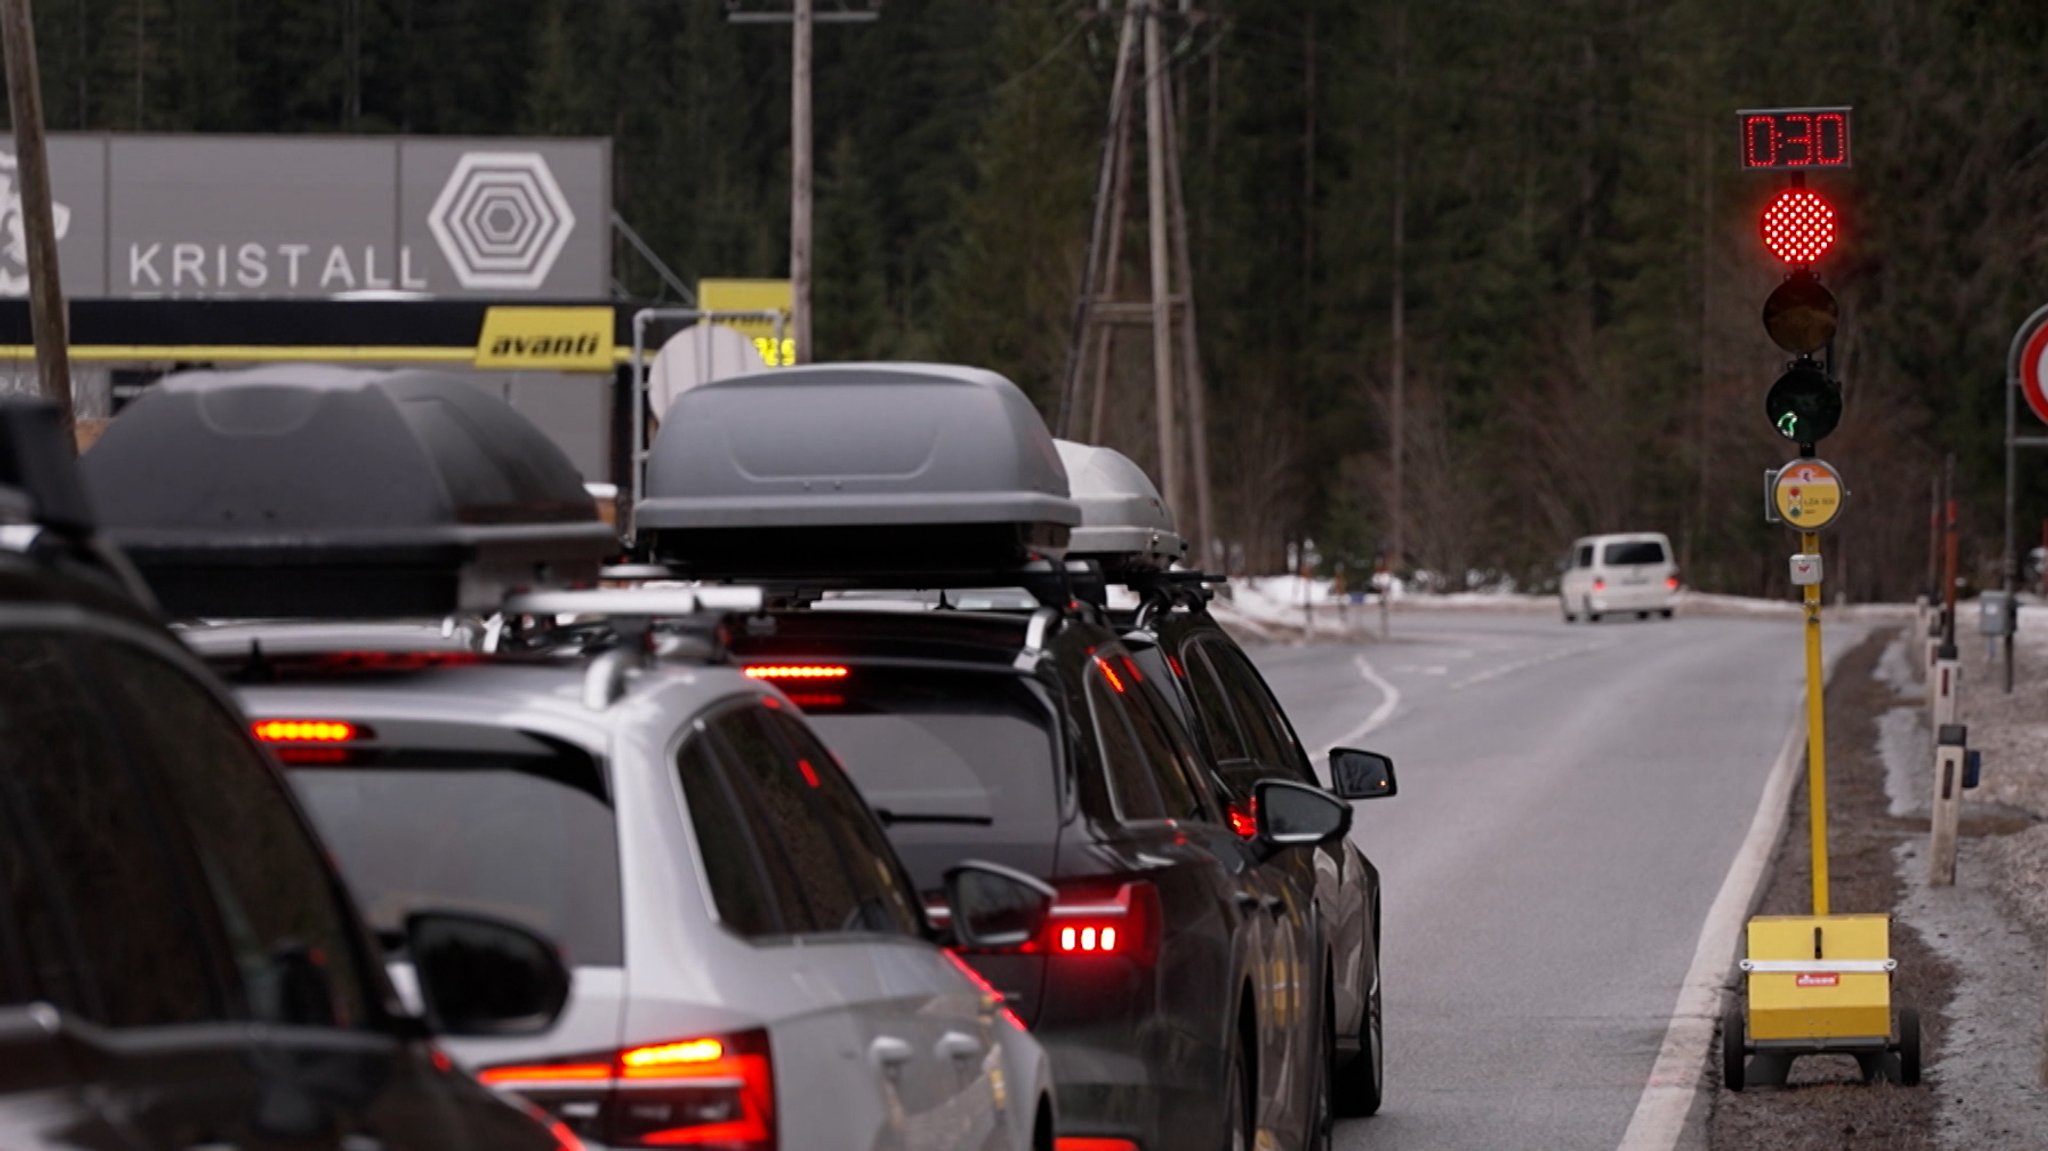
(1124, 523)
(843, 472)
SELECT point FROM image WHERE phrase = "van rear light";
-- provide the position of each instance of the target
(1671, 583)
(706, 1092)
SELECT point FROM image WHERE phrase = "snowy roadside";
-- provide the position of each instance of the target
(1293, 609)
(1991, 924)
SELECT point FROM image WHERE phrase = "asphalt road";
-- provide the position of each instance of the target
(1571, 799)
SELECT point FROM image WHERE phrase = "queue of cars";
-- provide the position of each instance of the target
(900, 795)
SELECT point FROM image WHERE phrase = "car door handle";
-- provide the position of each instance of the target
(958, 1045)
(890, 1053)
(1272, 904)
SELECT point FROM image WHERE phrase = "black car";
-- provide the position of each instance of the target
(1169, 982)
(1127, 536)
(1243, 732)
(179, 966)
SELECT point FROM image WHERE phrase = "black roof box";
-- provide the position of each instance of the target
(844, 473)
(317, 491)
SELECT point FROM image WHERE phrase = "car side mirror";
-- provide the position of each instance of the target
(995, 906)
(1289, 814)
(1358, 774)
(483, 976)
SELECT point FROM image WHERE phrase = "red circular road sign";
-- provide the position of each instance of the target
(2033, 363)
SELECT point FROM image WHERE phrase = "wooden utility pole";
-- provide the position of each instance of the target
(39, 225)
(1162, 279)
(803, 16)
(1179, 397)
(800, 184)
(1191, 353)
(1397, 431)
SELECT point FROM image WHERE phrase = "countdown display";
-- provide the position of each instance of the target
(1797, 138)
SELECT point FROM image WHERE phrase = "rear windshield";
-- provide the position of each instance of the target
(956, 763)
(529, 839)
(1634, 552)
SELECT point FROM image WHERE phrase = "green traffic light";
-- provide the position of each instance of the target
(1804, 405)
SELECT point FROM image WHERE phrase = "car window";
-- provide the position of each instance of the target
(963, 762)
(1585, 559)
(1213, 710)
(1147, 767)
(1169, 749)
(1261, 718)
(886, 896)
(1131, 790)
(293, 943)
(741, 888)
(115, 904)
(1634, 552)
(525, 835)
(777, 799)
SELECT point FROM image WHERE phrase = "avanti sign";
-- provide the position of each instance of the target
(295, 216)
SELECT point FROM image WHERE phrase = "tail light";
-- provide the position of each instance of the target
(712, 1092)
(1243, 822)
(1671, 583)
(307, 731)
(1089, 919)
(1599, 584)
(1124, 924)
(797, 671)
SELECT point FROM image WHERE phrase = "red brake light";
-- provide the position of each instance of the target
(1090, 1143)
(307, 731)
(1671, 583)
(816, 700)
(709, 1091)
(1599, 584)
(1125, 925)
(798, 671)
(1242, 821)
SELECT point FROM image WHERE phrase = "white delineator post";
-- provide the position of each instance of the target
(1950, 751)
(1923, 630)
(1943, 687)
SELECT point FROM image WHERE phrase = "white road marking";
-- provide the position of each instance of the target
(1494, 673)
(1659, 1119)
(1390, 698)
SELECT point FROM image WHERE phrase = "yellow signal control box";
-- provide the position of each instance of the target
(1820, 977)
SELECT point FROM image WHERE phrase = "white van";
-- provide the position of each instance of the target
(1619, 573)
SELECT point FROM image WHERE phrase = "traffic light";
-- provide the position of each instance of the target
(1798, 226)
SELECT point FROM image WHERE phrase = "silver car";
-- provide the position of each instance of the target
(752, 967)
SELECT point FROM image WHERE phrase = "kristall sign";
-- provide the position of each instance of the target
(296, 216)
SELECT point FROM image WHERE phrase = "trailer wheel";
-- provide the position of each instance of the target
(1909, 1047)
(1734, 1044)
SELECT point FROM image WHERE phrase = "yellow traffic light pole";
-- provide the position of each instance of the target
(1816, 735)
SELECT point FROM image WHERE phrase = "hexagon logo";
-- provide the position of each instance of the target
(501, 220)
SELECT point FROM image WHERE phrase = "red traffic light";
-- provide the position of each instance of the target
(1798, 227)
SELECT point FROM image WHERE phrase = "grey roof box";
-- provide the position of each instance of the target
(316, 491)
(1124, 523)
(838, 472)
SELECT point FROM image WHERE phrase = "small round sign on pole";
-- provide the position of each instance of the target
(2033, 371)
(1808, 494)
